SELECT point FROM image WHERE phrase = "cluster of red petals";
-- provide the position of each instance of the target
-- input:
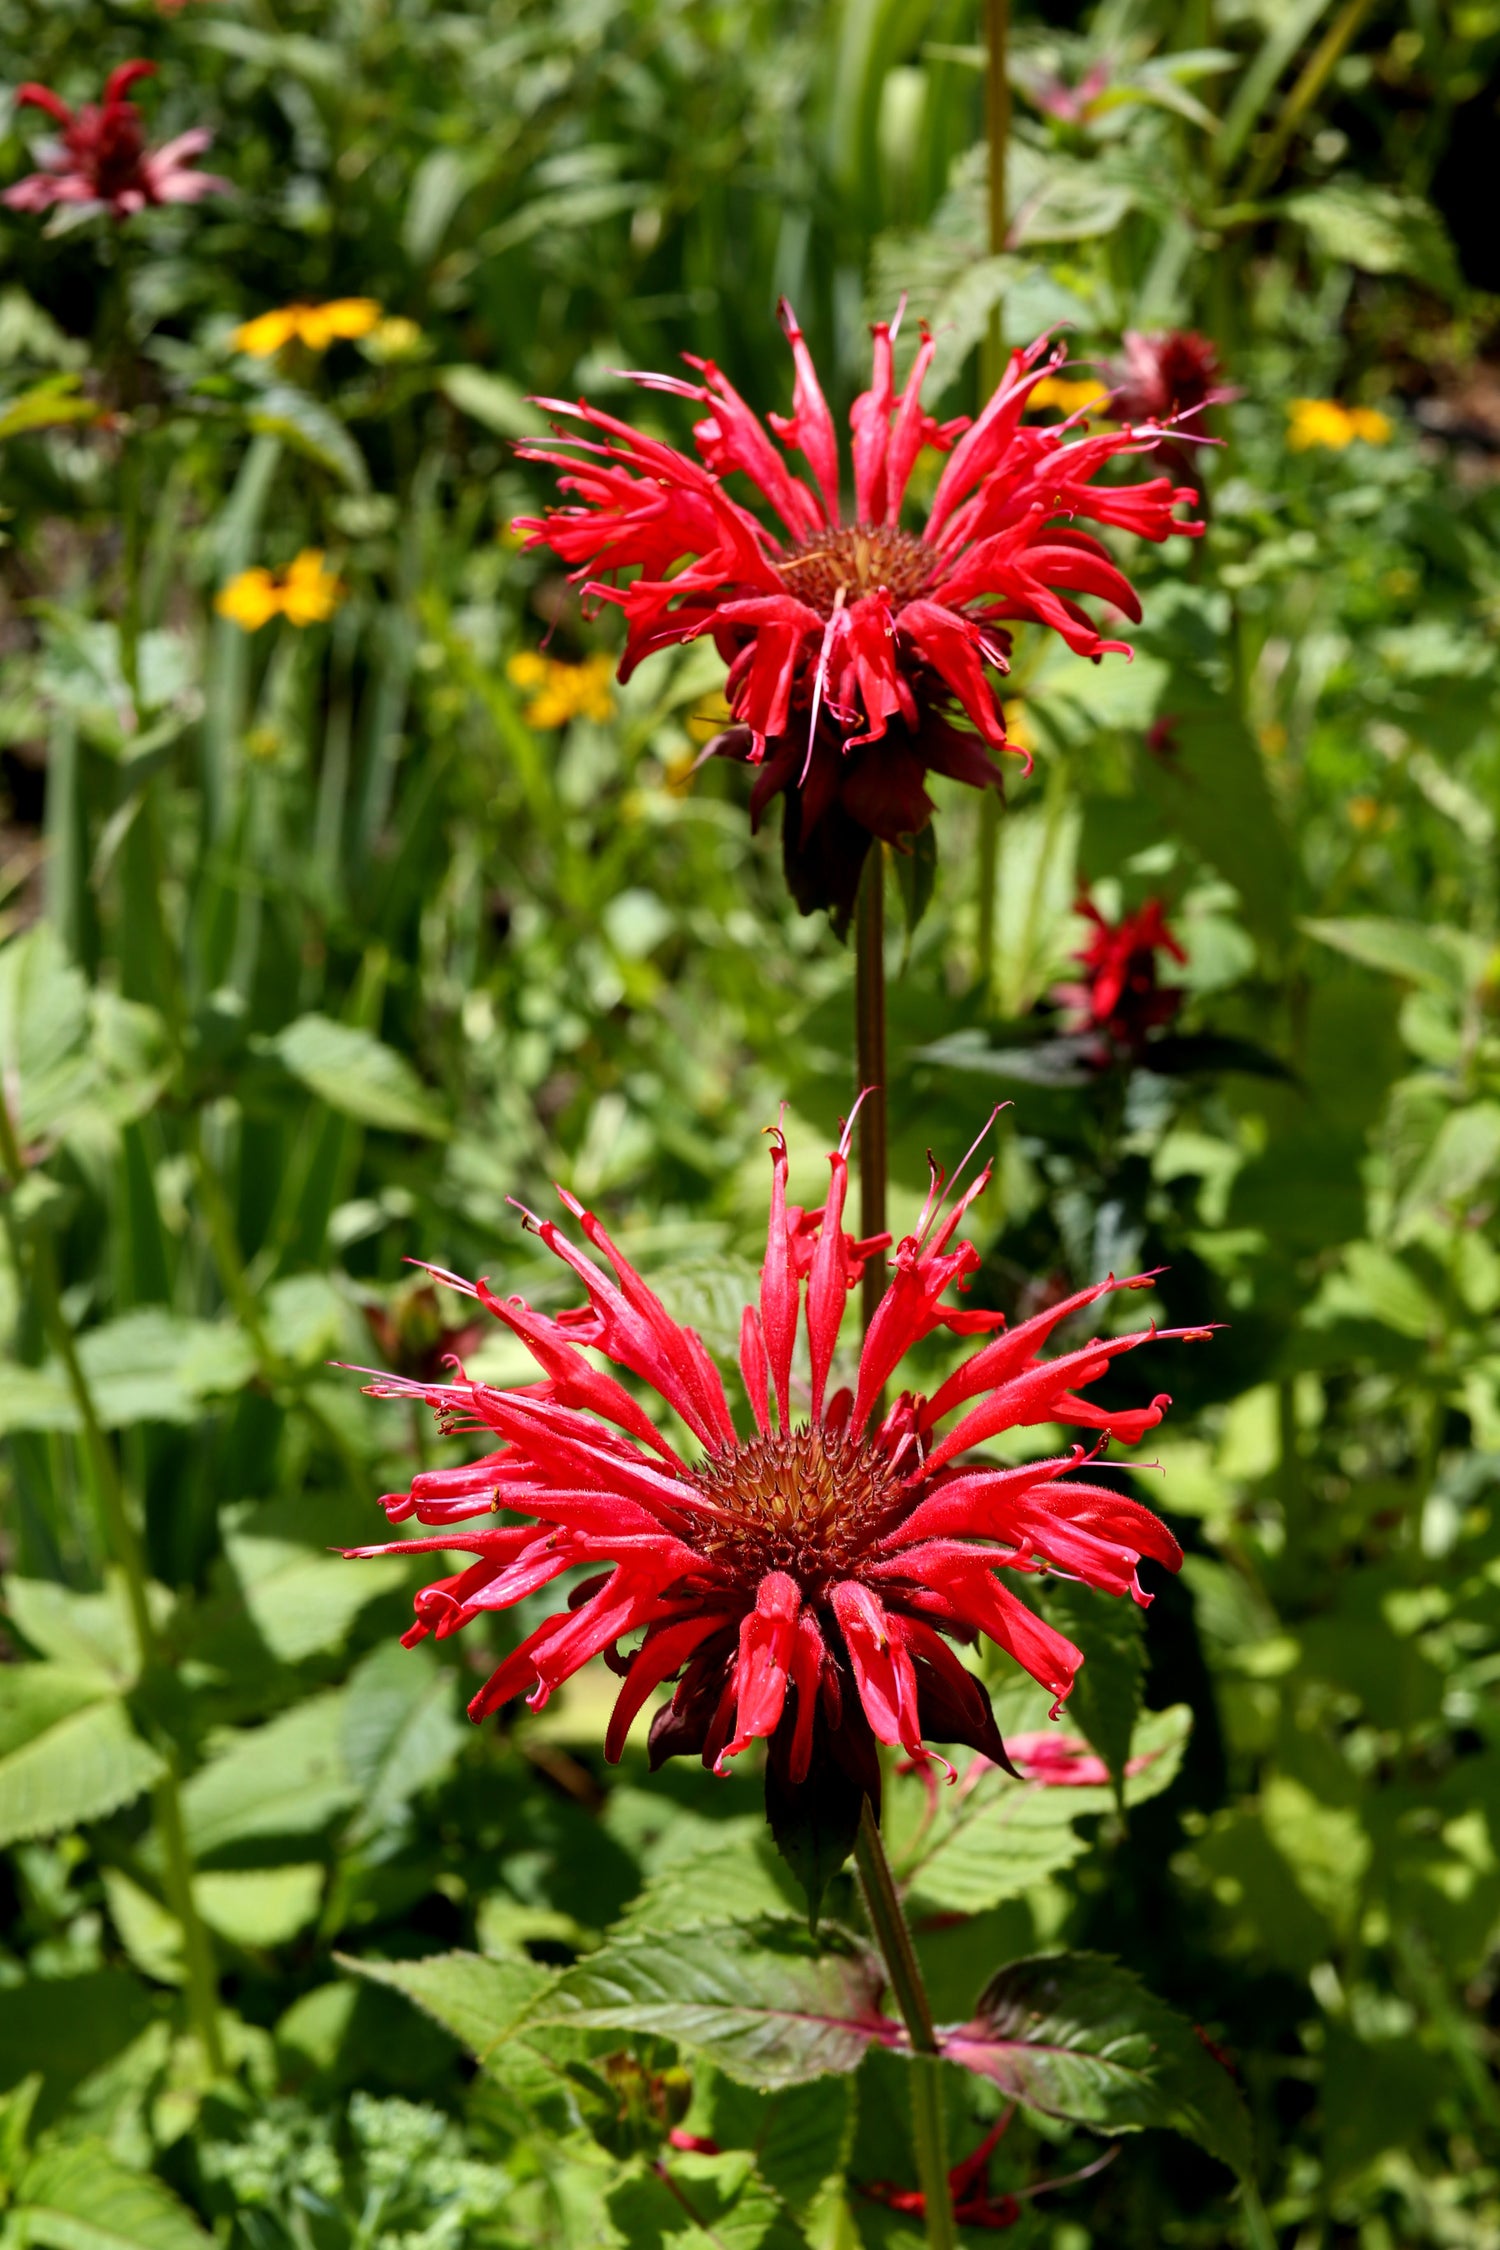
(973, 2202)
(811, 1610)
(1120, 995)
(852, 644)
(1166, 377)
(102, 163)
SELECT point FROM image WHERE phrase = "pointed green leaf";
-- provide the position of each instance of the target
(480, 2000)
(355, 1074)
(76, 2196)
(1106, 1697)
(696, 2202)
(78, 1767)
(306, 425)
(1077, 2036)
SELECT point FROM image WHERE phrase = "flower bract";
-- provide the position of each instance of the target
(861, 648)
(102, 163)
(801, 1578)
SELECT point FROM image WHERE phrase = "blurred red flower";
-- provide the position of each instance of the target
(102, 162)
(1120, 994)
(797, 1583)
(857, 649)
(1166, 377)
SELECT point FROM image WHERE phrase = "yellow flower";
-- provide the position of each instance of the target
(249, 601)
(310, 594)
(560, 692)
(304, 594)
(1322, 421)
(1068, 393)
(316, 326)
(1363, 812)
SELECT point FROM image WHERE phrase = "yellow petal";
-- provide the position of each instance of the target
(526, 668)
(250, 600)
(267, 333)
(310, 594)
(1369, 423)
(322, 325)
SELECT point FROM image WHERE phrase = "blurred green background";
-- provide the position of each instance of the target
(321, 941)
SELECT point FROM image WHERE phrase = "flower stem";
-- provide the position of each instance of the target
(992, 373)
(1311, 80)
(883, 1906)
(120, 1536)
(869, 1038)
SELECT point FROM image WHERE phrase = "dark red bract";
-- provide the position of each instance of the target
(802, 1583)
(860, 650)
(102, 162)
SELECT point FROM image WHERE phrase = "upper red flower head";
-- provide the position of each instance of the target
(797, 1582)
(102, 162)
(853, 644)
(1119, 994)
(1167, 376)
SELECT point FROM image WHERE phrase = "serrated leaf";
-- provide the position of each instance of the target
(738, 1880)
(86, 1632)
(77, 1768)
(1106, 1698)
(359, 1076)
(1465, 1153)
(76, 2196)
(262, 1906)
(1077, 2036)
(1378, 229)
(306, 425)
(68, 2027)
(482, 2001)
(699, 2202)
(801, 2135)
(493, 400)
(762, 2004)
(150, 1365)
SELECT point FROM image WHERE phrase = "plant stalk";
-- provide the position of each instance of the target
(869, 1041)
(883, 1906)
(1311, 79)
(997, 132)
(120, 1536)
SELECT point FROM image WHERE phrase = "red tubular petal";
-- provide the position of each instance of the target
(808, 1658)
(1112, 1515)
(119, 82)
(779, 1295)
(976, 1503)
(681, 1344)
(871, 422)
(951, 645)
(827, 1287)
(883, 1669)
(912, 427)
(768, 1636)
(42, 97)
(754, 1370)
(1015, 1350)
(811, 425)
(575, 1382)
(1127, 1427)
(664, 1650)
(1049, 1656)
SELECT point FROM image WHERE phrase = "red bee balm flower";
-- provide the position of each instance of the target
(1119, 994)
(853, 643)
(102, 162)
(796, 1583)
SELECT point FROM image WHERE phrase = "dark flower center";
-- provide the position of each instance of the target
(855, 559)
(806, 1501)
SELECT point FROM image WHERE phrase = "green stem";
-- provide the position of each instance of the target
(869, 1030)
(883, 1906)
(120, 1534)
(1311, 80)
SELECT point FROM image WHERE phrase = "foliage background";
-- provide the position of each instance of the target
(317, 949)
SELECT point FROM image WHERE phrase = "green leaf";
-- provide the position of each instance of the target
(1077, 2036)
(56, 399)
(286, 1778)
(87, 1632)
(76, 2196)
(355, 1074)
(306, 425)
(1465, 1153)
(300, 1601)
(1400, 949)
(492, 400)
(400, 1731)
(1106, 1697)
(1379, 230)
(78, 1764)
(1006, 1836)
(262, 1906)
(695, 2202)
(150, 1365)
(915, 870)
(68, 2027)
(483, 2002)
(801, 2135)
(44, 1023)
(1326, 1847)
(739, 1879)
(763, 2005)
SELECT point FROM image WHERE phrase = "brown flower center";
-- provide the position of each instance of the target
(855, 559)
(806, 1501)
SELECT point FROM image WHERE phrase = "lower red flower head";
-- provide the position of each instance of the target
(803, 1582)
(1120, 995)
(102, 163)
